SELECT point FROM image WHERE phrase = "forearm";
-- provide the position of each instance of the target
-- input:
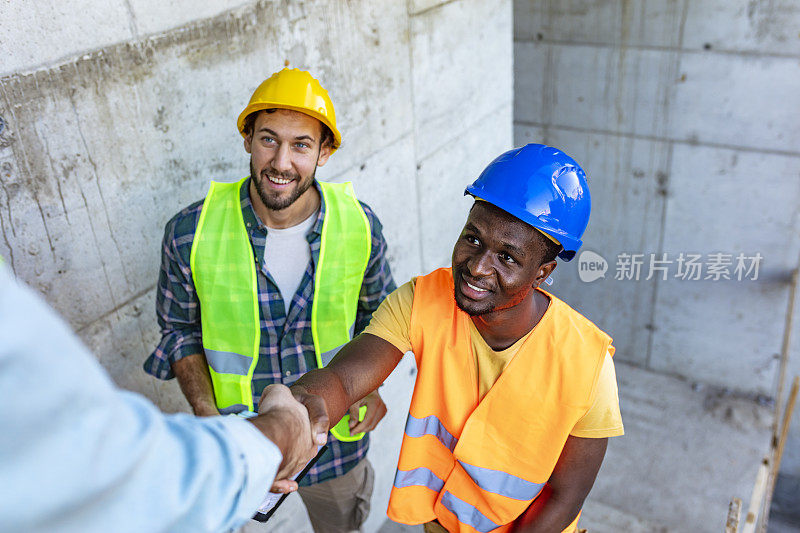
(562, 497)
(358, 369)
(548, 513)
(195, 381)
(326, 384)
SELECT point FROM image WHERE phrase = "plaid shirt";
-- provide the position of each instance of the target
(286, 351)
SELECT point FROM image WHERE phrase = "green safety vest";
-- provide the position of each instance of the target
(224, 273)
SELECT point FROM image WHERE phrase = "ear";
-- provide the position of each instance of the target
(248, 139)
(324, 154)
(544, 272)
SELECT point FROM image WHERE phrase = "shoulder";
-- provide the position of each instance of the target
(374, 221)
(570, 319)
(180, 229)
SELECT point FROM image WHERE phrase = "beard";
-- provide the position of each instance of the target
(468, 306)
(278, 202)
(472, 308)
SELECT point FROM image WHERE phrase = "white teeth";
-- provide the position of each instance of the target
(474, 288)
(279, 181)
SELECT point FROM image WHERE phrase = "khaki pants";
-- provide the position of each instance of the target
(434, 527)
(341, 504)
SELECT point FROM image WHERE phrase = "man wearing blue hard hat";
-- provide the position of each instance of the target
(516, 394)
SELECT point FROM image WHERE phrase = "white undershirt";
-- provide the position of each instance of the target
(286, 256)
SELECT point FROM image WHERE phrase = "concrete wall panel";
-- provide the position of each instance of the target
(37, 33)
(731, 100)
(596, 88)
(734, 202)
(727, 332)
(152, 16)
(447, 96)
(760, 27)
(653, 23)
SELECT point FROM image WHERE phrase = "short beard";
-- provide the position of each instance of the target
(471, 311)
(279, 203)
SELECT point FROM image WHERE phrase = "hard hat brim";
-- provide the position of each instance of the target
(568, 243)
(260, 106)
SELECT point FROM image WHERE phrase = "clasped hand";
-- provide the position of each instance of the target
(298, 429)
(297, 422)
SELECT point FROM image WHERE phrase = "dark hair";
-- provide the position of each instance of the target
(250, 122)
(551, 249)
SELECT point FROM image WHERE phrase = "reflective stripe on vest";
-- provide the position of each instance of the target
(476, 464)
(224, 273)
(419, 477)
(502, 483)
(430, 425)
(468, 514)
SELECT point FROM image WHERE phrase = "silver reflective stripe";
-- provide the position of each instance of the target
(468, 514)
(233, 409)
(418, 477)
(502, 483)
(327, 357)
(228, 362)
(430, 425)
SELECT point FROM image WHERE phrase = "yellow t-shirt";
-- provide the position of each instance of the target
(392, 322)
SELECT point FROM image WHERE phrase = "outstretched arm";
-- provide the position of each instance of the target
(562, 497)
(358, 369)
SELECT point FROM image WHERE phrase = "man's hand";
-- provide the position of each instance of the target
(376, 410)
(285, 421)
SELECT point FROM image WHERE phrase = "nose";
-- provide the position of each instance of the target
(479, 265)
(282, 162)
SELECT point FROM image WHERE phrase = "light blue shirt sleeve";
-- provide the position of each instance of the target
(79, 455)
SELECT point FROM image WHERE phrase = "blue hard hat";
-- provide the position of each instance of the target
(542, 186)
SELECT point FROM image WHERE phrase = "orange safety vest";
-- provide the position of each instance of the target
(477, 465)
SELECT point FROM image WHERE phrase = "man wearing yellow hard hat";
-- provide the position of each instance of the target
(266, 278)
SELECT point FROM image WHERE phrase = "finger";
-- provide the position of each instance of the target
(353, 412)
(374, 414)
(283, 486)
(317, 416)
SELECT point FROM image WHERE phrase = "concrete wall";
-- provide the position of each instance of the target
(685, 115)
(107, 132)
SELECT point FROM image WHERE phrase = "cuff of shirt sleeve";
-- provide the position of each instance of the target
(159, 364)
(262, 458)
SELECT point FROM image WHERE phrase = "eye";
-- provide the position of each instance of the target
(301, 145)
(472, 240)
(267, 140)
(507, 258)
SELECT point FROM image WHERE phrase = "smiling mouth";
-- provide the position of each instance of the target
(474, 288)
(279, 181)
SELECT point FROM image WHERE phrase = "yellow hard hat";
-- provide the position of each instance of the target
(297, 90)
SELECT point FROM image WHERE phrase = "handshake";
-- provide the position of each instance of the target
(297, 427)
(298, 423)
